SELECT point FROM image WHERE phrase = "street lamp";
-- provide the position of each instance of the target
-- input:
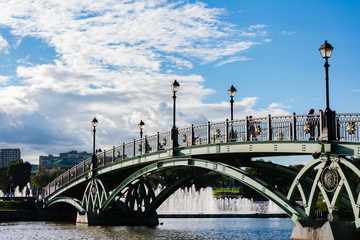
(326, 51)
(94, 123)
(174, 134)
(232, 92)
(141, 127)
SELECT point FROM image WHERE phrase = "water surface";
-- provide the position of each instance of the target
(179, 228)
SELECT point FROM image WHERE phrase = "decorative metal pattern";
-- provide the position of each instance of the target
(139, 196)
(307, 128)
(184, 138)
(329, 179)
(280, 137)
(281, 128)
(94, 196)
(258, 130)
(350, 128)
(93, 190)
(217, 133)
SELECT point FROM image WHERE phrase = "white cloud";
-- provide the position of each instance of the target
(288, 33)
(255, 27)
(24, 61)
(115, 60)
(4, 45)
(4, 79)
(233, 59)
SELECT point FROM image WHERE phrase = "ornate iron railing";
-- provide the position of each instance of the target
(279, 128)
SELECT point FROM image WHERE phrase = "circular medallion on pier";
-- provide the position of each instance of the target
(329, 179)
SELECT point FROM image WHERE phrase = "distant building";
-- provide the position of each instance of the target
(64, 165)
(8, 154)
(72, 157)
(75, 156)
(46, 161)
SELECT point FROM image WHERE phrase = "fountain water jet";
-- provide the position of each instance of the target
(190, 201)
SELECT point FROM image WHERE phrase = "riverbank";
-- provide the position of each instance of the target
(13, 209)
(18, 209)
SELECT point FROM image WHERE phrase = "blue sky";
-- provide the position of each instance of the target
(62, 63)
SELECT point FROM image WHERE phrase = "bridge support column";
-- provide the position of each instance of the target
(118, 219)
(322, 229)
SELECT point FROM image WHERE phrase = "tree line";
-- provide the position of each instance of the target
(18, 173)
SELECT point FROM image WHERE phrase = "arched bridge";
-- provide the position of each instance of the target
(117, 189)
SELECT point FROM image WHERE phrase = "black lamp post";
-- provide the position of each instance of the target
(174, 134)
(94, 123)
(232, 92)
(328, 128)
(141, 127)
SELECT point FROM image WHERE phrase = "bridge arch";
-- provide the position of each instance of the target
(293, 210)
(72, 201)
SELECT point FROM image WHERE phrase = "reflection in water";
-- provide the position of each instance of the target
(189, 228)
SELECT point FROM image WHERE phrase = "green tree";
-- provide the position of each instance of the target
(18, 173)
(274, 179)
(4, 179)
(297, 166)
(211, 179)
(45, 176)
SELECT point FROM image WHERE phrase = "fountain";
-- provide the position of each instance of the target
(190, 201)
(17, 192)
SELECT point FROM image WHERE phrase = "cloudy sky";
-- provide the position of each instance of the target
(64, 62)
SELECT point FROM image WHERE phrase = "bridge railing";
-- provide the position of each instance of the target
(153, 143)
(237, 131)
(278, 128)
(184, 137)
(281, 128)
(200, 134)
(348, 127)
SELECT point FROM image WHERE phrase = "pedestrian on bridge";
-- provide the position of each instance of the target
(310, 124)
(251, 129)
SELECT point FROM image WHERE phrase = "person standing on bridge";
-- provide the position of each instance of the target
(251, 129)
(310, 124)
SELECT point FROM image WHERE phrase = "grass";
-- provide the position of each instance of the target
(16, 205)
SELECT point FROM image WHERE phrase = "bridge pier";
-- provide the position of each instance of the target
(322, 229)
(118, 219)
